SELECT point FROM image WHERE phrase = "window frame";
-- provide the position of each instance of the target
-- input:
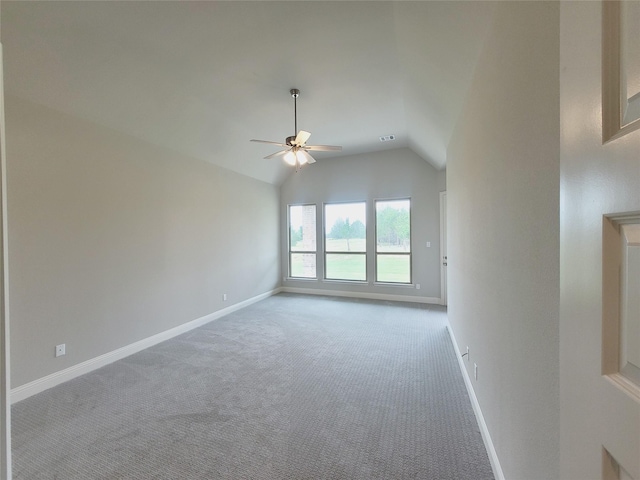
(375, 242)
(324, 243)
(299, 252)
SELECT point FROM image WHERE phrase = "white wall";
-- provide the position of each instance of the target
(396, 173)
(502, 194)
(596, 179)
(112, 240)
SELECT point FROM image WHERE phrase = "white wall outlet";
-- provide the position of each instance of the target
(61, 350)
(417, 286)
(224, 297)
(475, 371)
(428, 244)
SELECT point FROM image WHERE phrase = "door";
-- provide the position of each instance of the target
(443, 248)
(600, 240)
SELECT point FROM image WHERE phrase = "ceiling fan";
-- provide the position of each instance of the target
(297, 150)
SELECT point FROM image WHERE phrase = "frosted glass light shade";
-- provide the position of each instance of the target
(290, 158)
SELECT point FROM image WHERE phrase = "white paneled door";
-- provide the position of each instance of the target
(600, 240)
(443, 248)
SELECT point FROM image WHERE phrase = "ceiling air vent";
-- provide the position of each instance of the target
(387, 138)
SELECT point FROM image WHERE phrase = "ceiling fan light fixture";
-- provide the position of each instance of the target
(296, 145)
(304, 157)
(290, 158)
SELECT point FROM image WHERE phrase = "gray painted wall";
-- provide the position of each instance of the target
(503, 226)
(380, 175)
(113, 240)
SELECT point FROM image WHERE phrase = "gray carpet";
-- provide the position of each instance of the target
(293, 387)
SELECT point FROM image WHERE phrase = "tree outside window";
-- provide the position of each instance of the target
(393, 241)
(345, 241)
(302, 241)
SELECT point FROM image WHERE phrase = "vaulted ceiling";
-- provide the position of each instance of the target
(202, 78)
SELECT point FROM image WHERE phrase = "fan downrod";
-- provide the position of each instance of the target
(294, 93)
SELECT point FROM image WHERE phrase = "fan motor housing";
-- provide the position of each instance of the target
(289, 140)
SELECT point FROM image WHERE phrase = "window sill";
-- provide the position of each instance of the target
(351, 282)
(357, 282)
(391, 284)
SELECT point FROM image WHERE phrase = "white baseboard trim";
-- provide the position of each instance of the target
(44, 383)
(486, 437)
(370, 296)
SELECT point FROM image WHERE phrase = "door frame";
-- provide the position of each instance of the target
(443, 248)
(5, 385)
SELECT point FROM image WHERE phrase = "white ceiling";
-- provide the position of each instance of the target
(202, 78)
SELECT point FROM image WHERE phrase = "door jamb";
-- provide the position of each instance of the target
(443, 247)
(5, 389)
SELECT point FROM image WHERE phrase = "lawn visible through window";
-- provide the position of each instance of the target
(393, 241)
(302, 241)
(345, 241)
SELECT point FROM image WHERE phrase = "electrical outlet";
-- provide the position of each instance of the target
(467, 353)
(475, 370)
(417, 286)
(61, 350)
(428, 244)
(224, 297)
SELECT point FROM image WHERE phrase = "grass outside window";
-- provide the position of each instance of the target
(393, 241)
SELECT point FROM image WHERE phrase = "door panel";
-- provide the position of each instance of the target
(599, 262)
(443, 248)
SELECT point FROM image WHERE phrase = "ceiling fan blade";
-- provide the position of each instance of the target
(309, 158)
(301, 138)
(281, 152)
(270, 143)
(323, 148)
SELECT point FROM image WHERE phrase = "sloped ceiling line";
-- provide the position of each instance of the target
(202, 78)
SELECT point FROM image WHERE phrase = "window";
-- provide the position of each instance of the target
(302, 241)
(345, 241)
(393, 241)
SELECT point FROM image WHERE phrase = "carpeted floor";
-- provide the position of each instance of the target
(293, 387)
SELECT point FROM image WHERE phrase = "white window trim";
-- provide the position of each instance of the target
(375, 244)
(308, 252)
(324, 246)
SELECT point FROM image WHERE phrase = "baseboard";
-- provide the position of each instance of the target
(367, 295)
(44, 383)
(486, 437)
